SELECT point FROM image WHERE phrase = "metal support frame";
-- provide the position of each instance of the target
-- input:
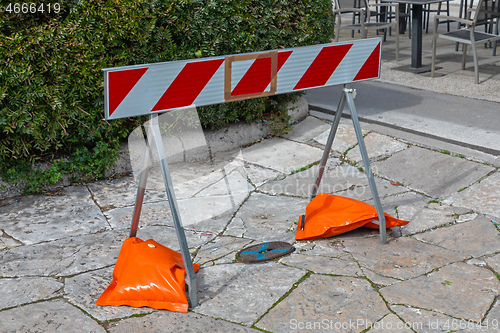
(348, 96)
(154, 133)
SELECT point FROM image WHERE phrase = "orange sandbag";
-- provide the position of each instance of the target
(147, 274)
(328, 215)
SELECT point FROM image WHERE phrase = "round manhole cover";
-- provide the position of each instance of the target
(264, 252)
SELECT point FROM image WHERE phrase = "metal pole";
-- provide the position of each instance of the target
(326, 153)
(140, 190)
(348, 92)
(328, 145)
(186, 256)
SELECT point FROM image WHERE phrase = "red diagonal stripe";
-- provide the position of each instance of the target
(258, 76)
(119, 85)
(323, 66)
(188, 84)
(370, 68)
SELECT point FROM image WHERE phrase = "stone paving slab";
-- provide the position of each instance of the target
(267, 218)
(324, 265)
(307, 130)
(424, 321)
(334, 304)
(378, 146)
(430, 216)
(476, 238)
(243, 292)
(402, 258)
(160, 322)
(83, 291)
(67, 256)
(458, 290)
(34, 219)
(281, 155)
(390, 323)
(345, 138)
(221, 250)
(50, 316)
(340, 179)
(482, 197)
(435, 174)
(20, 291)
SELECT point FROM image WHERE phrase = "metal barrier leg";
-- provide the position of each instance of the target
(181, 237)
(348, 92)
(140, 190)
(328, 146)
(326, 153)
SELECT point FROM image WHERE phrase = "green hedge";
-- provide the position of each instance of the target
(51, 83)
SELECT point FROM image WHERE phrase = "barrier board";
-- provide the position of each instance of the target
(145, 89)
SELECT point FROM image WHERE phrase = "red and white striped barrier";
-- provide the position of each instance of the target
(144, 89)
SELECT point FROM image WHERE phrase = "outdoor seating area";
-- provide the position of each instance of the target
(416, 58)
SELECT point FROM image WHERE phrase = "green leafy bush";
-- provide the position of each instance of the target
(51, 83)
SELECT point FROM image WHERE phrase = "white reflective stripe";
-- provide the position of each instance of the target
(213, 93)
(238, 70)
(295, 67)
(148, 90)
(352, 62)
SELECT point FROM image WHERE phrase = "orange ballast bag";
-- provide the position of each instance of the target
(329, 215)
(147, 274)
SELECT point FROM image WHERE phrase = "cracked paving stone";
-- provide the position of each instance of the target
(84, 253)
(345, 138)
(50, 316)
(329, 301)
(378, 146)
(307, 130)
(449, 174)
(459, 290)
(477, 238)
(243, 292)
(494, 262)
(24, 290)
(481, 197)
(66, 256)
(390, 323)
(323, 265)
(344, 180)
(210, 210)
(267, 218)
(493, 318)
(394, 203)
(164, 321)
(221, 249)
(378, 279)
(402, 258)
(83, 290)
(7, 242)
(423, 321)
(427, 218)
(210, 214)
(40, 218)
(281, 155)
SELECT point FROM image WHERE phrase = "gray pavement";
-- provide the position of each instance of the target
(439, 273)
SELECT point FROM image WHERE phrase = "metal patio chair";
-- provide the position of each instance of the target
(487, 11)
(364, 24)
